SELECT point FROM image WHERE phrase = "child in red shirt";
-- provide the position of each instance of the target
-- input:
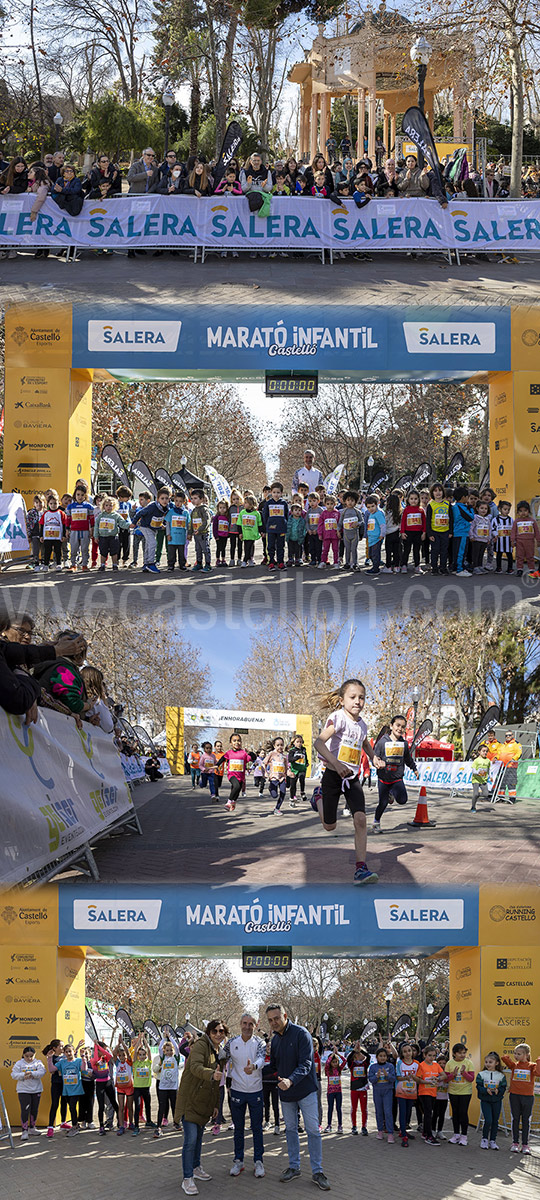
(413, 530)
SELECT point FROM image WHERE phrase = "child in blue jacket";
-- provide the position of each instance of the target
(382, 1077)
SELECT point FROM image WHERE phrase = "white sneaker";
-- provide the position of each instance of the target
(455, 1139)
(376, 827)
(200, 1174)
(484, 1144)
(259, 1171)
(237, 1167)
(346, 812)
(34, 1132)
(463, 1139)
(493, 1146)
(404, 570)
(463, 574)
(189, 1186)
(24, 1135)
(321, 566)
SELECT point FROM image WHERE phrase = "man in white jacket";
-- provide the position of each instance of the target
(245, 1057)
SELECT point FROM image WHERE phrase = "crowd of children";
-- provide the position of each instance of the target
(283, 767)
(443, 530)
(403, 1078)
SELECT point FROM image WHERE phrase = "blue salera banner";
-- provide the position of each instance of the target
(133, 222)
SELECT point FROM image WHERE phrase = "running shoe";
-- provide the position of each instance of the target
(199, 1173)
(237, 1167)
(484, 1144)
(314, 799)
(259, 1171)
(493, 1146)
(364, 875)
(376, 827)
(431, 1141)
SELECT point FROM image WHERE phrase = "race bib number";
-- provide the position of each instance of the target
(414, 520)
(394, 749)
(482, 529)
(249, 522)
(503, 533)
(122, 1075)
(223, 527)
(440, 522)
(143, 1072)
(156, 523)
(196, 522)
(349, 751)
(313, 520)
(330, 524)
(408, 1086)
(236, 764)
(51, 534)
(525, 527)
(350, 522)
(521, 1076)
(79, 514)
(106, 525)
(333, 1080)
(178, 522)
(358, 1071)
(71, 1078)
(371, 524)
(279, 769)
(275, 510)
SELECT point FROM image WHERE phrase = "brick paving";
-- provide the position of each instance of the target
(88, 1167)
(205, 842)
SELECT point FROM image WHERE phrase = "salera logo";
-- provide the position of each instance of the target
(158, 337)
(419, 914)
(115, 914)
(450, 337)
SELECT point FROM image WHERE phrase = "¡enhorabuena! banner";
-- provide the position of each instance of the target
(133, 222)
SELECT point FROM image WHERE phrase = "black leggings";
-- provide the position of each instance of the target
(86, 1102)
(391, 546)
(521, 1108)
(385, 791)
(73, 1102)
(270, 1096)
(29, 1102)
(332, 786)
(166, 1098)
(236, 788)
(509, 560)
(57, 1099)
(478, 550)
(235, 546)
(297, 779)
(411, 541)
(104, 1088)
(439, 1113)
(124, 539)
(428, 1104)
(459, 1106)
(50, 548)
(139, 1092)
(249, 549)
(278, 790)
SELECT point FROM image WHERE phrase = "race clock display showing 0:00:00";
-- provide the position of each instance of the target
(278, 959)
(291, 385)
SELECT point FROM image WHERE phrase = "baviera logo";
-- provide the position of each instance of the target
(514, 912)
(463, 973)
(154, 336)
(114, 914)
(420, 914)
(267, 918)
(450, 337)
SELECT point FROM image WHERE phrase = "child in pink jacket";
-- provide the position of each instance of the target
(327, 530)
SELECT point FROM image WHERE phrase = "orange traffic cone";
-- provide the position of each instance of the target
(421, 818)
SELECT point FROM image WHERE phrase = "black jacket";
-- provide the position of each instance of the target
(113, 176)
(18, 690)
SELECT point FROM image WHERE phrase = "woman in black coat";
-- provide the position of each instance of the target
(14, 181)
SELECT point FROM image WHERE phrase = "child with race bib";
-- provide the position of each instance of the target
(277, 765)
(29, 1072)
(523, 1074)
(429, 1075)
(69, 1067)
(382, 1077)
(460, 1074)
(332, 1069)
(123, 1078)
(394, 751)
(166, 1072)
(491, 1086)
(142, 1078)
(237, 761)
(340, 746)
(358, 1064)
(406, 1089)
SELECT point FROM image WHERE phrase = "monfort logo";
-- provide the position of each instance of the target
(514, 912)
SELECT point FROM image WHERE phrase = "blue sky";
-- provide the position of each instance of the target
(225, 648)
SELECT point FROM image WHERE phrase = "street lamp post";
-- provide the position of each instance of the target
(473, 102)
(388, 996)
(415, 699)
(420, 56)
(58, 121)
(168, 101)
(446, 430)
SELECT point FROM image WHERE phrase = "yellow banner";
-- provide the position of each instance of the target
(510, 997)
(70, 993)
(525, 339)
(509, 915)
(30, 920)
(174, 726)
(501, 436)
(27, 1013)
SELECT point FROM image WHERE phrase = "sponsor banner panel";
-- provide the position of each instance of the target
(133, 222)
(69, 787)
(308, 916)
(240, 338)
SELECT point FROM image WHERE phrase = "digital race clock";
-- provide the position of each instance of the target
(267, 958)
(298, 384)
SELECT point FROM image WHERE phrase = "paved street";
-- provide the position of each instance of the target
(206, 842)
(88, 1167)
(388, 279)
(249, 598)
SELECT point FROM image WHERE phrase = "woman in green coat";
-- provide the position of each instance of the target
(197, 1100)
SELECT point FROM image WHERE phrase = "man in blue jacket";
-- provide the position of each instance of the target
(291, 1056)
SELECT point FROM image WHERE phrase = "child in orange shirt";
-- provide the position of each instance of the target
(194, 758)
(521, 1092)
(428, 1077)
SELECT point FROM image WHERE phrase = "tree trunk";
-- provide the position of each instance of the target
(195, 118)
(516, 67)
(38, 80)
